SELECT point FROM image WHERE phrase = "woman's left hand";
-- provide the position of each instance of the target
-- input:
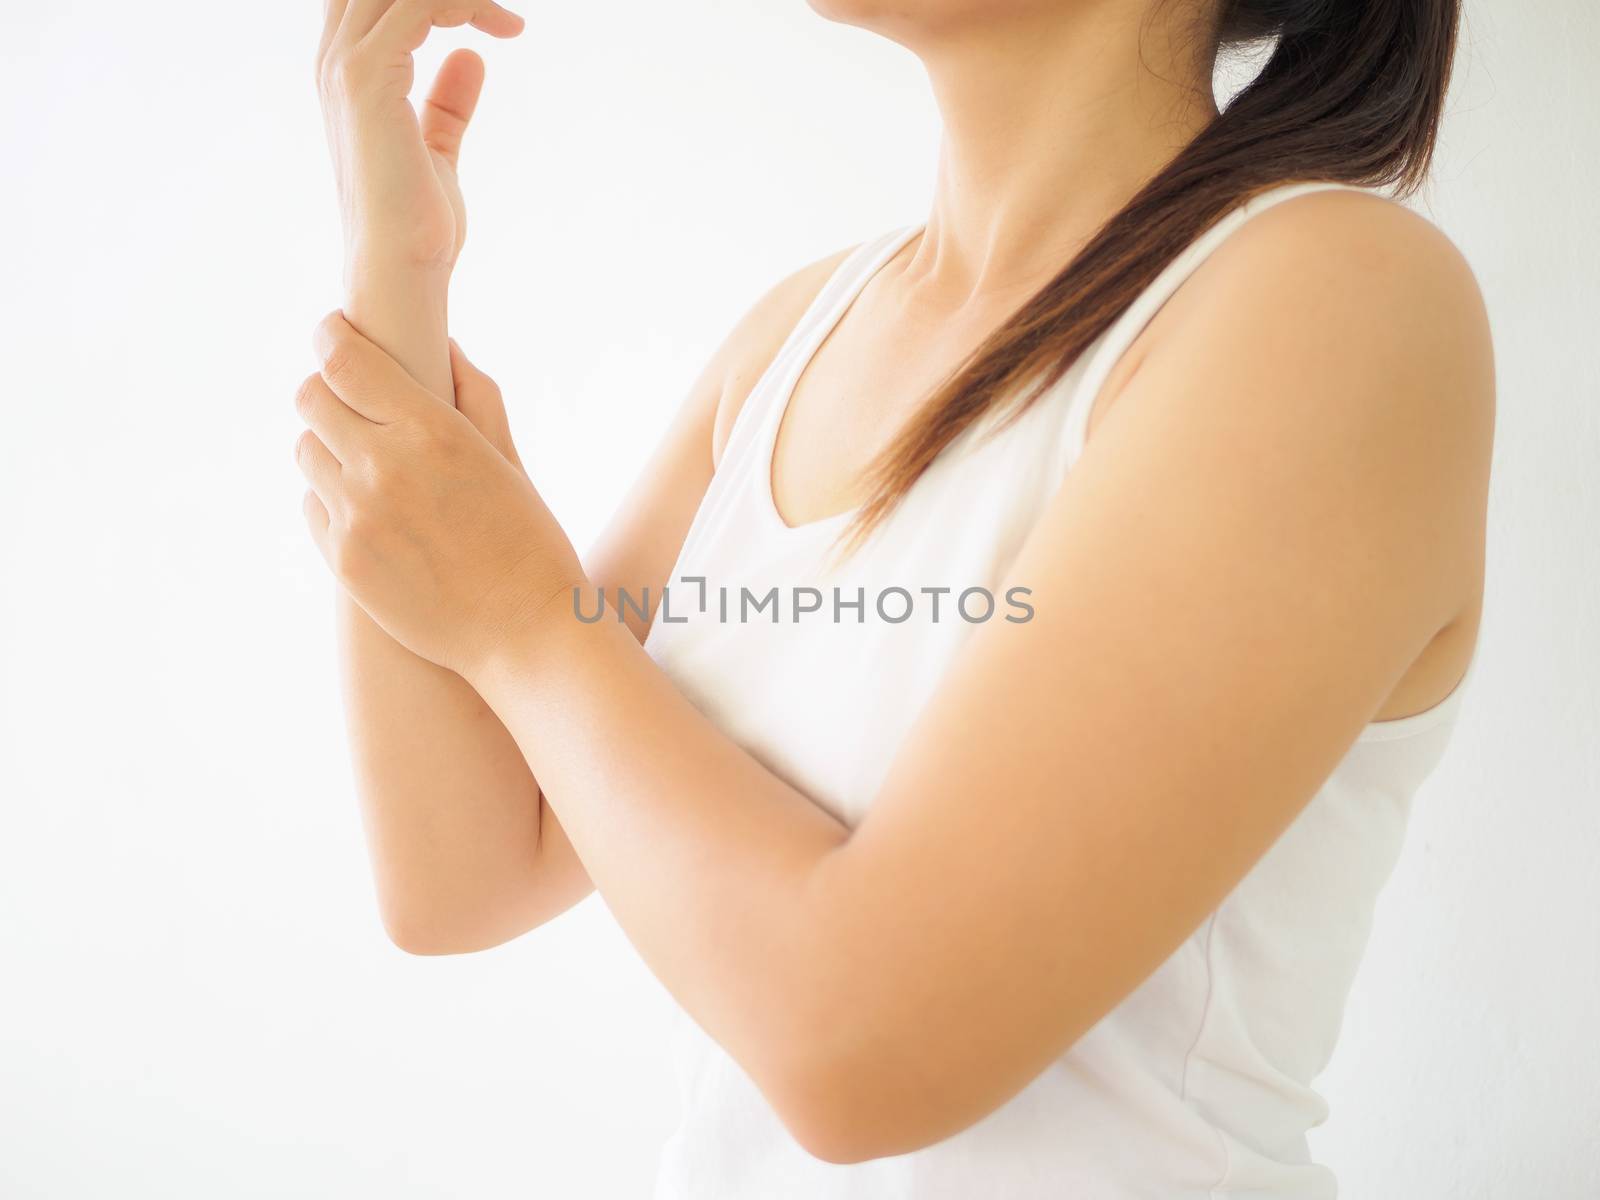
(431, 529)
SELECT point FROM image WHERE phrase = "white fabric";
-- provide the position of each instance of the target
(1198, 1083)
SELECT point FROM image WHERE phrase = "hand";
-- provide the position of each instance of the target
(436, 533)
(478, 399)
(396, 175)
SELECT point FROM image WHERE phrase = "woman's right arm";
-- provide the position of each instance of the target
(466, 854)
(451, 811)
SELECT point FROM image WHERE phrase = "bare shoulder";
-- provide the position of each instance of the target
(1357, 232)
(1365, 313)
(1343, 337)
(1360, 267)
(755, 341)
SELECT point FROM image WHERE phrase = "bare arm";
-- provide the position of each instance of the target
(1338, 444)
(1325, 418)
(466, 851)
(460, 853)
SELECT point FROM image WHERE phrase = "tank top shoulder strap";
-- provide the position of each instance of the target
(1108, 350)
(770, 394)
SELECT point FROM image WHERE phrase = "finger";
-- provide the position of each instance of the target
(342, 429)
(316, 515)
(319, 466)
(332, 15)
(363, 376)
(405, 25)
(359, 18)
(315, 512)
(451, 102)
(478, 398)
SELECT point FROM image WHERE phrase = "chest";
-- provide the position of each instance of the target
(817, 664)
(865, 383)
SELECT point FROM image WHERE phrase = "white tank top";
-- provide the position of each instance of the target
(1199, 1082)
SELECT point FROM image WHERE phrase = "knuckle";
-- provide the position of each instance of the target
(304, 446)
(355, 69)
(382, 493)
(364, 540)
(338, 71)
(347, 558)
(336, 360)
(322, 63)
(305, 396)
(358, 522)
(378, 478)
(355, 464)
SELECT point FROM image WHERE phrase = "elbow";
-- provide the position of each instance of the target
(426, 948)
(840, 1146)
(449, 919)
(424, 939)
(882, 1081)
(889, 1082)
(431, 933)
(826, 1133)
(859, 1108)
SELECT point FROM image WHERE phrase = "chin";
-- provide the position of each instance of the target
(909, 20)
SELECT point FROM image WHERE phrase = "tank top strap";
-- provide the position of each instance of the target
(770, 396)
(1106, 353)
(740, 486)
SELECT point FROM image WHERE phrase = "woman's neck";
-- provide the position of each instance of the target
(1050, 127)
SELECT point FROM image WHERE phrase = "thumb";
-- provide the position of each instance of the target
(478, 399)
(450, 104)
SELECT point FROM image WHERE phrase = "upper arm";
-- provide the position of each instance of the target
(1282, 509)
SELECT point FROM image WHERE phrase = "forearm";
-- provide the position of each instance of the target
(706, 858)
(748, 900)
(403, 308)
(451, 810)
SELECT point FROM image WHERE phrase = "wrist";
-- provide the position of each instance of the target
(401, 250)
(390, 219)
(405, 311)
(382, 265)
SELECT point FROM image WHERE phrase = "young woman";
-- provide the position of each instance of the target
(1064, 599)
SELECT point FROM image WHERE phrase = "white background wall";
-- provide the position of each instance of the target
(196, 1000)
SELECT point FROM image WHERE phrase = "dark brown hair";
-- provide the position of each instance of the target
(1352, 93)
